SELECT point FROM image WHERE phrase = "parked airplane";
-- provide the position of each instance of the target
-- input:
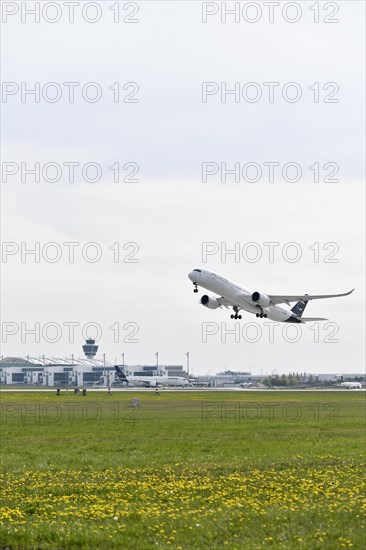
(151, 381)
(351, 385)
(232, 295)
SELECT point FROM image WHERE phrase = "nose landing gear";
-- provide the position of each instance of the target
(195, 287)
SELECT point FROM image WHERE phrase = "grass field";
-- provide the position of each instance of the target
(187, 470)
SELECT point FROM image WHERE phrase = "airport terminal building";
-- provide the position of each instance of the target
(44, 371)
(68, 371)
(55, 372)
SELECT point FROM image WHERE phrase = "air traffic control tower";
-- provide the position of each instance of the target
(90, 349)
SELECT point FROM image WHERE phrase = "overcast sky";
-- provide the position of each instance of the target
(160, 135)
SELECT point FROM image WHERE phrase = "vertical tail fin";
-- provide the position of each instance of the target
(121, 375)
(299, 308)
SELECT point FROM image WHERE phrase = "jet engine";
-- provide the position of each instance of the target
(211, 303)
(261, 299)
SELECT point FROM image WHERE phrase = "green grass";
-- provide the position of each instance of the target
(187, 470)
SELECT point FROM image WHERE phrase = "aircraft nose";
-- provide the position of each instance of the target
(191, 276)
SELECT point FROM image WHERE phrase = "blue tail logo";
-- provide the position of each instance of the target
(299, 308)
(121, 375)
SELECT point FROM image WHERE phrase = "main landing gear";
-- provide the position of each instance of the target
(195, 287)
(261, 314)
(235, 316)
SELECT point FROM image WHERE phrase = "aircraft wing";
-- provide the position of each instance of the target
(238, 302)
(305, 297)
(224, 302)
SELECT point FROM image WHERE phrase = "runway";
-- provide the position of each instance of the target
(164, 390)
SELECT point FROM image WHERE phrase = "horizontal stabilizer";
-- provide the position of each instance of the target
(305, 319)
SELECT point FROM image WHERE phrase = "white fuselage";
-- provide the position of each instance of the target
(154, 381)
(236, 294)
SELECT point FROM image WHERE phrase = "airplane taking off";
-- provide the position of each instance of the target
(151, 381)
(232, 295)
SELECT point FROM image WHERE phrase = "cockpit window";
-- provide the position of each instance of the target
(199, 271)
